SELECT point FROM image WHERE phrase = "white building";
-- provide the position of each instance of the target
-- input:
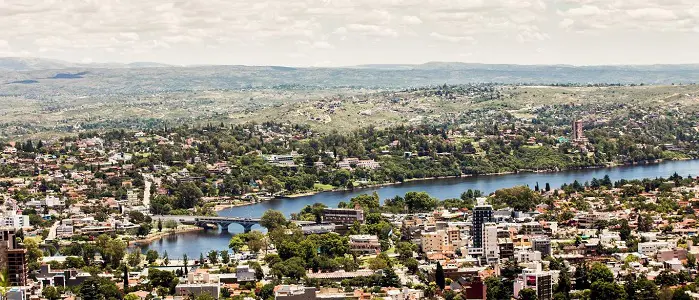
(14, 220)
(526, 256)
(652, 248)
(491, 251)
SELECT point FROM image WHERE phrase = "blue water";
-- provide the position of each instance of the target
(202, 242)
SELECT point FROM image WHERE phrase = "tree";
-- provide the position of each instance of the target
(419, 202)
(213, 256)
(166, 259)
(225, 258)
(50, 293)
(548, 187)
(160, 225)
(236, 243)
(187, 195)
(134, 258)
(255, 240)
(495, 289)
(185, 262)
(272, 184)
(202, 260)
(33, 251)
(273, 219)
(439, 276)
(366, 202)
(606, 290)
(163, 279)
(151, 256)
(624, 230)
(582, 281)
(389, 278)
(143, 230)
(527, 294)
(412, 265)
(600, 272)
(377, 263)
(125, 277)
(90, 289)
(520, 198)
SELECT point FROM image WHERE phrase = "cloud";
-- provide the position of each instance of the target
(647, 15)
(372, 30)
(118, 30)
(451, 38)
(411, 20)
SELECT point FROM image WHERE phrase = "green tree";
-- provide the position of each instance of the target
(273, 219)
(600, 272)
(213, 256)
(151, 256)
(185, 263)
(389, 278)
(90, 289)
(134, 258)
(419, 202)
(527, 294)
(166, 259)
(187, 195)
(160, 225)
(606, 290)
(50, 293)
(366, 202)
(439, 276)
(225, 258)
(520, 198)
(236, 243)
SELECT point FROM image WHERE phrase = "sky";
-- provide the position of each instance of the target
(352, 32)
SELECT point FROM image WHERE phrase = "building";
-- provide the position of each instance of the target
(543, 245)
(244, 273)
(526, 256)
(13, 258)
(507, 248)
(537, 280)
(437, 241)
(343, 215)
(60, 278)
(14, 220)
(364, 243)
(294, 292)
(481, 214)
(651, 248)
(491, 251)
(578, 130)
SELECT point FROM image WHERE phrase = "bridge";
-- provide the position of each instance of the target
(204, 221)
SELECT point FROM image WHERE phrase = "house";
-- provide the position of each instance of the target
(364, 243)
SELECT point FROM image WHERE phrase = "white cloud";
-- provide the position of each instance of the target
(450, 38)
(411, 20)
(120, 30)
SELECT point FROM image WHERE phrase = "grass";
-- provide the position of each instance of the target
(322, 187)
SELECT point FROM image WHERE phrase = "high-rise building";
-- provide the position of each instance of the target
(13, 258)
(481, 214)
(578, 130)
(543, 245)
(491, 251)
(538, 281)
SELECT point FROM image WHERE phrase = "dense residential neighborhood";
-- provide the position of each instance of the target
(77, 212)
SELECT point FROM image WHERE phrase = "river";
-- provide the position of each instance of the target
(194, 243)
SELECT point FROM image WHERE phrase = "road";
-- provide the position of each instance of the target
(146, 191)
(52, 231)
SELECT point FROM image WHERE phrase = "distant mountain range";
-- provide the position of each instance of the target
(35, 64)
(35, 76)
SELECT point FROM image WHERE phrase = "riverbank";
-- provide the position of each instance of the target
(377, 185)
(152, 238)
